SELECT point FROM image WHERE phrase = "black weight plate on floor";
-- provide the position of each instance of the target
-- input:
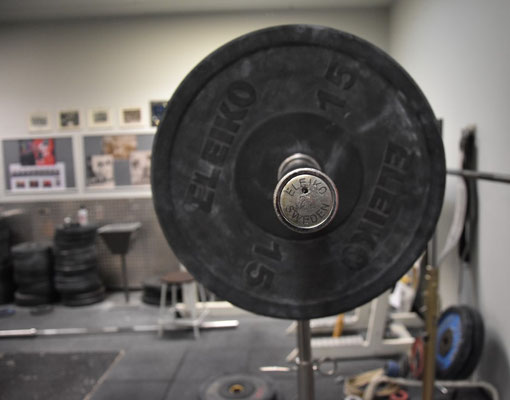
(238, 386)
(152, 287)
(454, 342)
(43, 288)
(29, 300)
(74, 244)
(6, 292)
(478, 337)
(28, 248)
(75, 269)
(256, 101)
(84, 299)
(6, 271)
(5, 239)
(76, 255)
(84, 295)
(30, 270)
(77, 284)
(77, 252)
(36, 265)
(74, 236)
(24, 280)
(153, 283)
(155, 300)
(152, 291)
(27, 280)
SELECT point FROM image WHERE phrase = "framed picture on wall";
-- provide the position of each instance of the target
(39, 121)
(69, 120)
(131, 117)
(117, 160)
(100, 118)
(157, 108)
(38, 164)
(100, 171)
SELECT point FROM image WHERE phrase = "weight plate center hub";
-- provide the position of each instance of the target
(306, 200)
(242, 217)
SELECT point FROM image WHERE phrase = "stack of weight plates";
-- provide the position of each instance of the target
(33, 272)
(76, 277)
(6, 282)
(152, 291)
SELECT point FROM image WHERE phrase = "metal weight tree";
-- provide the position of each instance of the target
(298, 172)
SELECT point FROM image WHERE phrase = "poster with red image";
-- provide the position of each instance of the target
(37, 152)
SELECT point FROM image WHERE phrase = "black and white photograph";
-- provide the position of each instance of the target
(128, 156)
(100, 171)
(140, 167)
(131, 117)
(69, 120)
(39, 121)
(99, 118)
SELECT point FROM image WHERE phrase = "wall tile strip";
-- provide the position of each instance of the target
(149, 255)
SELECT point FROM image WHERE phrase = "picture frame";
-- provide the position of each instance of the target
(36, 164)
(130, 117)
(39, 121)
(69, 120)
(157, 109)
(100, 118)
(114, 160)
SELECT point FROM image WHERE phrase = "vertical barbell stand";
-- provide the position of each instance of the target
(306, 384)
(304, 188)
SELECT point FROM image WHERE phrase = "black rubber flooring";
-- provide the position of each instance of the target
(67, 376)
(176, 366)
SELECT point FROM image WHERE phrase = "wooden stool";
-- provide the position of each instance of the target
(186, 281)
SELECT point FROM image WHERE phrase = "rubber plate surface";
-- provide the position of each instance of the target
(266, 96)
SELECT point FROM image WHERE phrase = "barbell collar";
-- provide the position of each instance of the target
(305, 199)
(295, 161)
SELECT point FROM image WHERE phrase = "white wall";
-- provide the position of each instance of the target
(458, 51)
(128, 62)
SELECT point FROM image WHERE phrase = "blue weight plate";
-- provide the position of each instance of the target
(454, 342)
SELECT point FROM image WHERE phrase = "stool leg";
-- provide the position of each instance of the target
(162, 306)
(202, 297)
(174, 300)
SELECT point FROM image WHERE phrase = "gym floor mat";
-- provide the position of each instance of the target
(56, 376)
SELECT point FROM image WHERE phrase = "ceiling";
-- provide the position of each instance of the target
(27, 10)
